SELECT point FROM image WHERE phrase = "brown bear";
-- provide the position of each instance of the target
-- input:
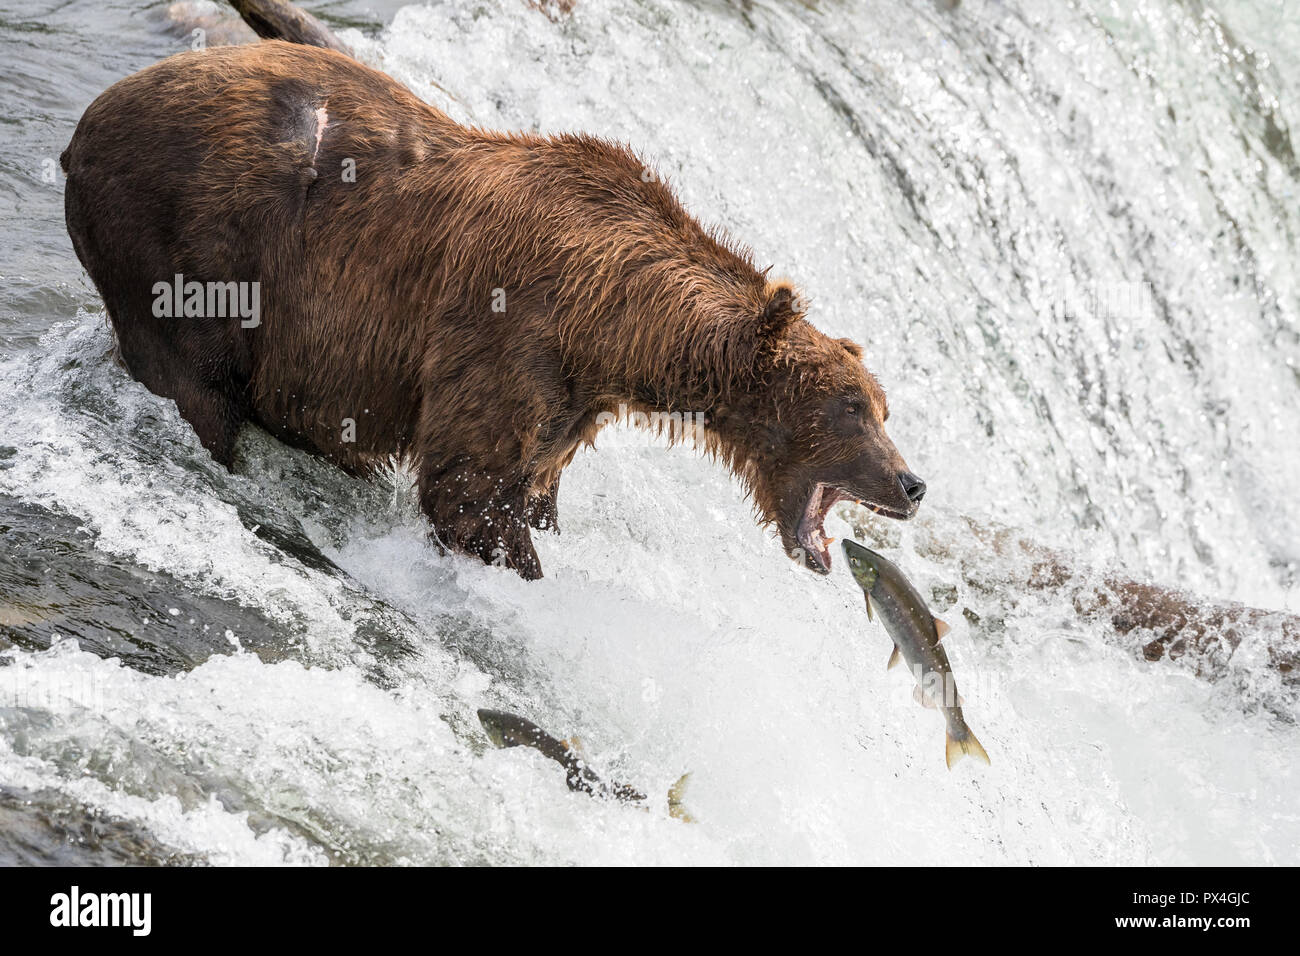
(390, 283)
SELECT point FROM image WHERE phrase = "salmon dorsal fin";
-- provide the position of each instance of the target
(894, 658)
(942, 627)
(574, 746)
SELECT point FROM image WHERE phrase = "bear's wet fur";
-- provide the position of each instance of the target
(474, 302)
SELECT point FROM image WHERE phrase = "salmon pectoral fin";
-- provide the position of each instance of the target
(894, 658)
(870, 615)
(956, 749)
(942, 627)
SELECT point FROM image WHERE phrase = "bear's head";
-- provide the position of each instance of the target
(804, 426)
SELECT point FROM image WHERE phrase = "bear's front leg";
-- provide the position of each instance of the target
(544, 509)
(475, 512)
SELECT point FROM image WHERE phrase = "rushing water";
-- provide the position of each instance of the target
(1067, 233)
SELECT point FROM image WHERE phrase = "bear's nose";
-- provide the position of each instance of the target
(913, 486)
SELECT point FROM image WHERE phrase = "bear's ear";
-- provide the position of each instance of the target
(782, 309)
(852, 347)
(742, 345)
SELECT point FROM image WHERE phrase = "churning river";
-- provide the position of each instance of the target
(1067, 234)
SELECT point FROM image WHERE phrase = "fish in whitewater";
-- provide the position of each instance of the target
(916, 634)
(511, 730)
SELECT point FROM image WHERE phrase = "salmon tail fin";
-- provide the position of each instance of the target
(956, 749)
(676, 794)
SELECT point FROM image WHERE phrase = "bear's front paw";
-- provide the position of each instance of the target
(543, 515)
(506, 547)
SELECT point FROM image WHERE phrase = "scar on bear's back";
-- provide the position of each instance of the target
(322, 120)
(301, 113)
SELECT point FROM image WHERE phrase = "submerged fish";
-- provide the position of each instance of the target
(511, 730)
(916, 634)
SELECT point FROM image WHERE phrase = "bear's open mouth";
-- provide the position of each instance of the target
(810, 533)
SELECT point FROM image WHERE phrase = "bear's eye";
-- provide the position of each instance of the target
(853, 409)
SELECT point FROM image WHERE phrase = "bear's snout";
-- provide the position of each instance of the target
(913, 487)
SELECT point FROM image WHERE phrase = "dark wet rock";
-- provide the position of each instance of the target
(54, 583)
(46, 828)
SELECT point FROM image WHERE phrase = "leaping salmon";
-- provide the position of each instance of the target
(511, 730)
(916, 634)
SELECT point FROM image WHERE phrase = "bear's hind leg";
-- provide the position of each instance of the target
(216, 419)
(207, 391)
(202, 364)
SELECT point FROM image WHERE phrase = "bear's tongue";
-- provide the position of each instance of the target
(811, 534)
